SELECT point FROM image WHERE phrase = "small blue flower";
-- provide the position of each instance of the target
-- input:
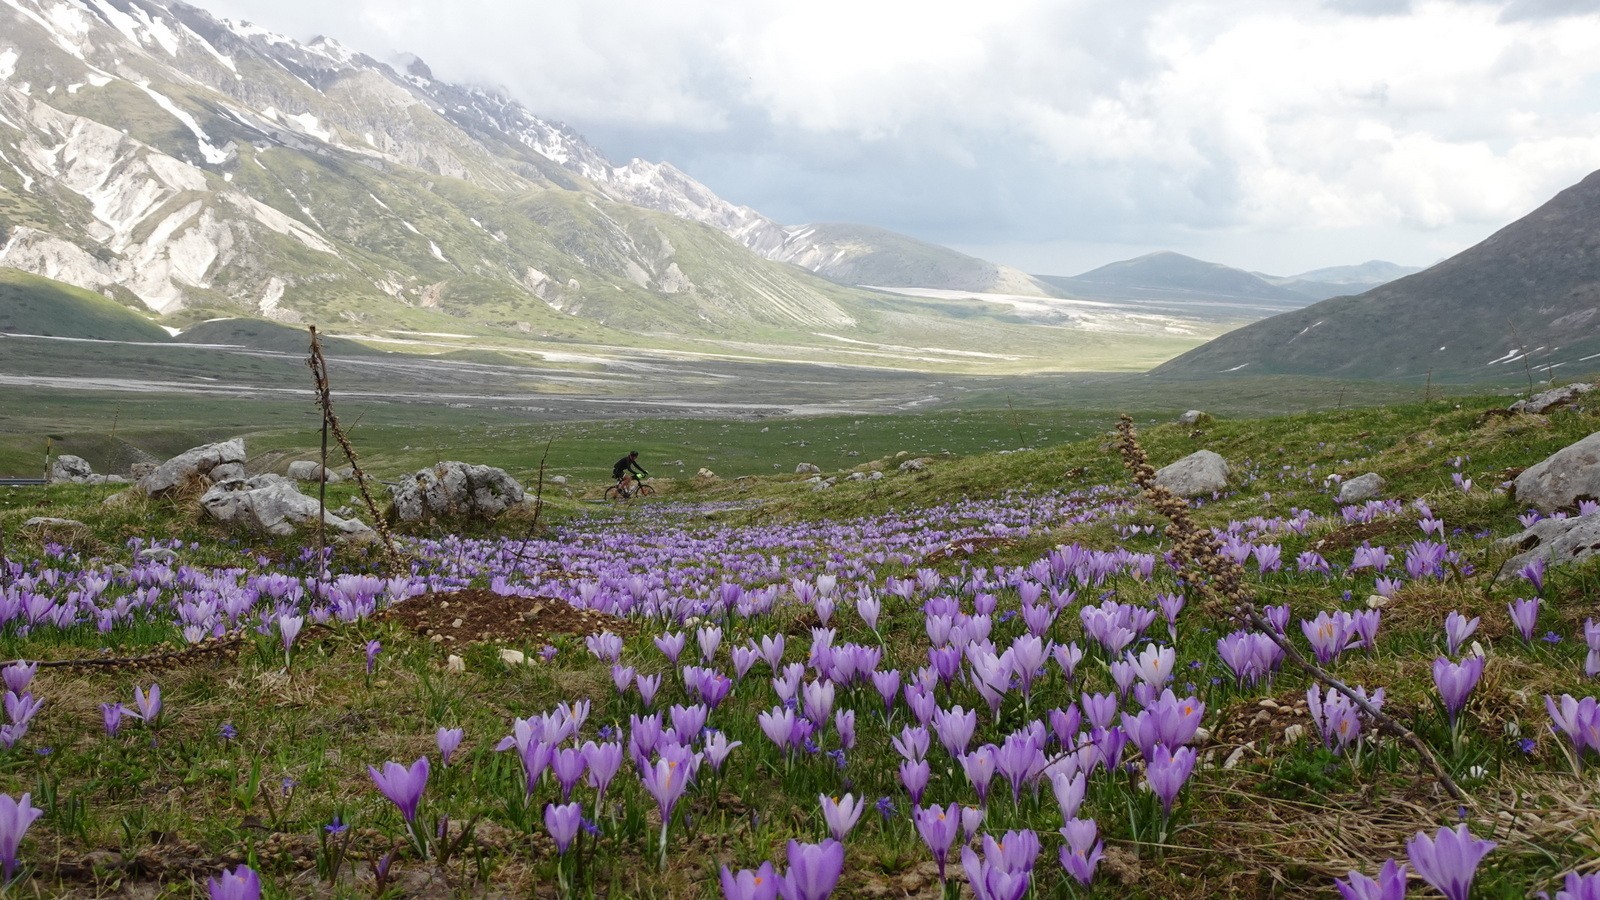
(1526, 746)
(227, 731)
(1550, 637)
(337, 826)
(885, 807)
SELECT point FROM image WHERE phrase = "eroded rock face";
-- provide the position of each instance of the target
(214, 463)
(1200, 473)
(452, 490)
(1553, 398)
(1562, 479)
(270, 504)
(1558, 541)
(1362, 489)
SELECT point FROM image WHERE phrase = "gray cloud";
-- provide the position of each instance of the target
(1033, 127)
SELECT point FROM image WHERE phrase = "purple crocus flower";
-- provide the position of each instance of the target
(671, 645)
(568, 765)
(1082, 849)
(1167, 771)
(1457, 628)
(1591, 637)
(401, 785)
(1578, 720)
(1534, 573)
(563, 822)
(18, 676)
(814, 870)
(449, 740)
(241, 884)
(938, 826)
(111, 713)
(914, 775)
(955, 728)
(604, 760)
(841, 815)
(148, 705)
(760, 884)
(1449, 860)
(1455, 682)
(1579, 887)
(373, 648)
(1389, 885)
(979, 766)
(667, 780)
(16, 817)
(289, 629)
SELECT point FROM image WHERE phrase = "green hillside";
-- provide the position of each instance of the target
(30, 304)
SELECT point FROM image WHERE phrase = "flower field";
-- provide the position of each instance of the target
(993, 685)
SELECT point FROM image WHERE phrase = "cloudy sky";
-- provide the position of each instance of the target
(1054, 135)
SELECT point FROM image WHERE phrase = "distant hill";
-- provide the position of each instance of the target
(32, 304)
(1528, 296)
(1172, 283)
(1373, 272)
(262, 335)
(864, 255)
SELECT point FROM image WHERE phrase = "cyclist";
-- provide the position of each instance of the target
(622, 470)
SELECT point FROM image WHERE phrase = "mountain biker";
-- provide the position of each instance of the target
(621, 469)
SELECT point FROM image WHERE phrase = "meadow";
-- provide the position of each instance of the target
(993, 675)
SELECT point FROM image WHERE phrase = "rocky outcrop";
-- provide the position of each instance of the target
(1361, 489)
(70, 469)
(202, 466)
(306, 470)
(270, 504)
(1194, 417)
(455, 490)
(807, 469)
(1558, 541)
(916, 465)
(1200, 473)
(1562, 479)
(1555, 397)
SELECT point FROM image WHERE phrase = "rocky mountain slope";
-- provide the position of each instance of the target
(1525, 303)
(201, 167)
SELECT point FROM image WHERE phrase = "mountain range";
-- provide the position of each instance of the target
(1523, 304)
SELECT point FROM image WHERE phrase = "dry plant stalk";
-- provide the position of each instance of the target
(319, 374)
(1222, 592)
(538, 507)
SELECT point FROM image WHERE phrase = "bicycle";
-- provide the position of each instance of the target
(619, 493)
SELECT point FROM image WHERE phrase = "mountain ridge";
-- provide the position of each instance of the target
(1526, 298)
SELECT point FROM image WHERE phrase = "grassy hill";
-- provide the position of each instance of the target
(31, 304)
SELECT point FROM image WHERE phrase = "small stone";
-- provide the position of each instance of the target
(455, 664)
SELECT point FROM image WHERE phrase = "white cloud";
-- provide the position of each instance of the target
(1021, 123)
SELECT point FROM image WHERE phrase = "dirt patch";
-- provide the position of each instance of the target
(969, 547)
(457, 618)
(1350, 536)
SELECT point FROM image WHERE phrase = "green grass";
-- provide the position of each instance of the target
(30, 304)
(1284, 821)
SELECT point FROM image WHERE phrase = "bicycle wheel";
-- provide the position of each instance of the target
(615, 494)
(646, 490)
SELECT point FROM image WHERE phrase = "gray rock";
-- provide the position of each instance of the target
(1362, 489)
(211, 464)
(807, 469)
(1550, 399)
(1193, 417)
(1564, 478)
(453, 490)
(270, 504)
(856, 476)
(308, 470)
(558, 479)
(705, 473)
(140, 469)
(916, 465)
(70, 469)
(160, 555)
(46, 523)
(875, 476)
(1557, 540)
(1200, 473)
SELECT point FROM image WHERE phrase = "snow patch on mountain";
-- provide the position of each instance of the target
(213, 154)
(8, 63)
